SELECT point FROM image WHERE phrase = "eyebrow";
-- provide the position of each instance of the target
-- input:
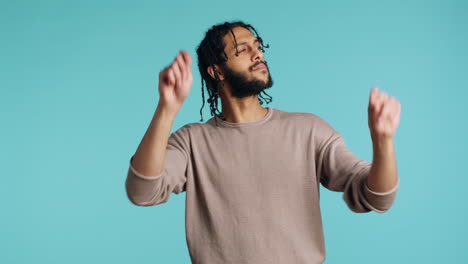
(244, 43)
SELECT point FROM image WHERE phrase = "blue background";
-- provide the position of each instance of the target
(79, 87)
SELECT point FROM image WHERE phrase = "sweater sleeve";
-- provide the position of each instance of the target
(341, 171)
(146, 190)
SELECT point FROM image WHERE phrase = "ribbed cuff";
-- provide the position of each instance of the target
(384, 193)
(139, 175)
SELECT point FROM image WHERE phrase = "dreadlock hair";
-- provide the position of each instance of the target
(211, 52)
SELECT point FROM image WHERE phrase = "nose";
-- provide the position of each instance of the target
(257, 55)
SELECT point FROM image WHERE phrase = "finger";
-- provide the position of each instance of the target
(395, 103)
(379, 111)
(373, 97)
(382, 97)
(163, 75)
(376, 106)
(187, 58)
(389, 110)
(189, 75)
(182, 67)
(177, 72)
(394, 106)
(396, 120)
(396, 113)
(379, 100)
(188, 64)
(171, 79)
(374, 92)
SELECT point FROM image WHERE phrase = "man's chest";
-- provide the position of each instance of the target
(240, 165)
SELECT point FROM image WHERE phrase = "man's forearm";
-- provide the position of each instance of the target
(149, 157)
(383, 118)
(383, 174)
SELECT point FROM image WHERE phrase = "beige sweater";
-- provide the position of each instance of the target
(252, 189)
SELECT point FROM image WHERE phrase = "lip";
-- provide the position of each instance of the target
(260, 66)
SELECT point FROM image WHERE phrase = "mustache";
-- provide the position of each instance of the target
(257, 63)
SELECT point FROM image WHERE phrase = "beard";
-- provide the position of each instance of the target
(243, 87)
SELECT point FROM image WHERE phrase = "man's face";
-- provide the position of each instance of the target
(247, 73)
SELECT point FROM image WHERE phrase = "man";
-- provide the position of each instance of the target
(251, 174)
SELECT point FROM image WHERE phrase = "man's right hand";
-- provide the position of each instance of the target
(175, 82)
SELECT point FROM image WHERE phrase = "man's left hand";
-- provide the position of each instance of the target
(384, 115)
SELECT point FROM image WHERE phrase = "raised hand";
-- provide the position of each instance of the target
(175, 81)
(384, 115)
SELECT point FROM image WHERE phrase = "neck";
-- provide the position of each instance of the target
(241, 110)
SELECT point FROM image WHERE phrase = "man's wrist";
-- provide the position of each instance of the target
(166, 110)
(383, 142)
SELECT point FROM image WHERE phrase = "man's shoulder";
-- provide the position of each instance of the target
(307, 122)
(194, 128)
(300, 117)
(188, 127)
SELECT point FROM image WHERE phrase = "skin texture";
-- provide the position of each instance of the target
(175, 82)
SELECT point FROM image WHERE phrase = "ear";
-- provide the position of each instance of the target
(214, 70)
